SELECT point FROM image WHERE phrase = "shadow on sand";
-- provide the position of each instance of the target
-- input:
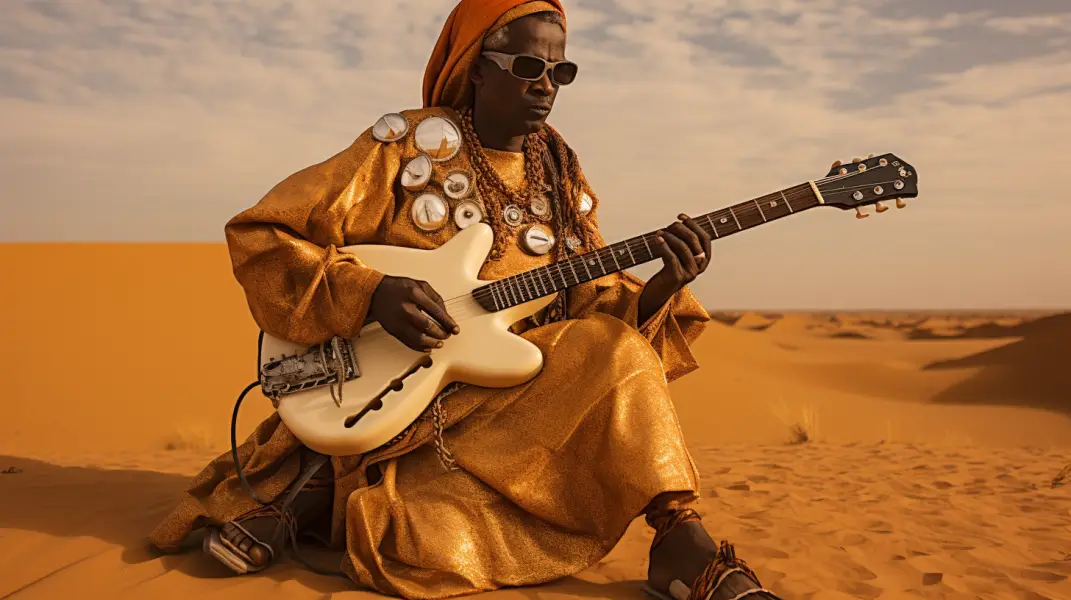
(1031, 371)
(121, 507)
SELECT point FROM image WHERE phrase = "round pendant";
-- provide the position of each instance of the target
(417, 173)
(512, 215)
(429, 211)
(539, 206)
(586, 204)
(467, 213)
(537, 239)
(438, 138)
(572, 242)
(391, 127)
(457, 185)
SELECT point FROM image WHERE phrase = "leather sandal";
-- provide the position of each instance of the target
(724, 578)
(241, 551)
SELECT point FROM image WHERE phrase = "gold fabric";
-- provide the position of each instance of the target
(550, 474)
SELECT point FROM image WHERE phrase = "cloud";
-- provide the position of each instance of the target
(159, 119)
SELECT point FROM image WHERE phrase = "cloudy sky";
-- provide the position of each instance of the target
(157, 120)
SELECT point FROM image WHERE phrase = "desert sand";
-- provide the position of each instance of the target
(848, 455)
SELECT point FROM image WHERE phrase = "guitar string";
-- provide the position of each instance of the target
(537, 281)
(525, 283)
(469, 305)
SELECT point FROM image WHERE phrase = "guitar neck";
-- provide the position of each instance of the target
(581, 268)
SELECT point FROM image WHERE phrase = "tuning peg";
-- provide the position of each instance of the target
(881, 207)
(857, 159)
(900, 203)
(870, 156)
(859, 214)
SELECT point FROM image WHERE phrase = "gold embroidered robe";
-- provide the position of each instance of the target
(550, 474)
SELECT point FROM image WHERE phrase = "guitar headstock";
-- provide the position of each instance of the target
(869, 181)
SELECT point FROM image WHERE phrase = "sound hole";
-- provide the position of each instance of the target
(394, 386)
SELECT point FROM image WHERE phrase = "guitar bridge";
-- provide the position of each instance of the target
(320, 365)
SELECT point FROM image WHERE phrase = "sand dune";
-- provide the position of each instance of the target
(849, 455)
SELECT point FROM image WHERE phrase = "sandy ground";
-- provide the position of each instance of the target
(847, 455)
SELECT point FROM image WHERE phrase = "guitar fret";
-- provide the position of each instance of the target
(542, 281)
(494, 297)
(570, 263)
(522, 287)
(535, 284)
(710, 222)
(613, 255)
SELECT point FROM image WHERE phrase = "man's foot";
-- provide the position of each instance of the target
(243, 545)
(249, 543)
(686, 564)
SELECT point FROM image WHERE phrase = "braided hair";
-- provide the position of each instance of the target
(571, 186)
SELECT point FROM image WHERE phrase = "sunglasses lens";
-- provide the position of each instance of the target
(528, 67)
(564, 73)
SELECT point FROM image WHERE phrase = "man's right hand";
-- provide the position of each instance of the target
(399, 305)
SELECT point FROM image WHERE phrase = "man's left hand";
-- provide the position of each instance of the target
(685, 251)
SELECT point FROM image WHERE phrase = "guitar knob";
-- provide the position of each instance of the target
(900, 203)
(859, 214)
(881, 207)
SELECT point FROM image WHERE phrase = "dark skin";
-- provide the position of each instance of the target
(502, 117)
(415, 313)
(504, 112)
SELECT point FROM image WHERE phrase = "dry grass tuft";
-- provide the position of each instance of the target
(190, 438)
(801, 430)
(1059, 480)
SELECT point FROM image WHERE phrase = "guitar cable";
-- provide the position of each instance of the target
(281, 529)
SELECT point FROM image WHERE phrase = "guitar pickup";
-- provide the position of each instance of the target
(318, 366)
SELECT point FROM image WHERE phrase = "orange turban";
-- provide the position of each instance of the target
(446, 80)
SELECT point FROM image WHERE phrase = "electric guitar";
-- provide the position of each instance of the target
(346, 397)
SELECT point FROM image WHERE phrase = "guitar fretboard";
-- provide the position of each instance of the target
(561, 275)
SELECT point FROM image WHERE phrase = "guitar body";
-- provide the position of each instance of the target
(485, 353)
(386, 386)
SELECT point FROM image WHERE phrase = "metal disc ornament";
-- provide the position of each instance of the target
(586, 204)
(467, 213)
(457, 185)
(539, 206)
(391, 127)
(438, 138)
(537, 239)
(429, 211)
(512, 215)
(417, 173)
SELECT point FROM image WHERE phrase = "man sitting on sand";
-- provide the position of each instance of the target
(496, 487)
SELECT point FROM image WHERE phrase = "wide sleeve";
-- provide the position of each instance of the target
(285, 250)
(670, 330)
